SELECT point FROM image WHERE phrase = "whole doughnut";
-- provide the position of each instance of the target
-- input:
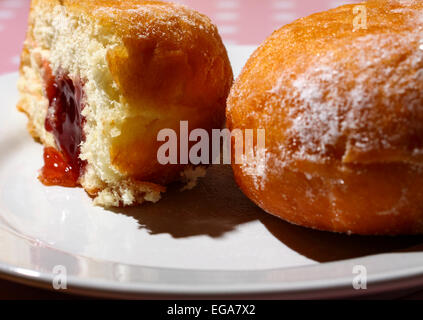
(342, 109)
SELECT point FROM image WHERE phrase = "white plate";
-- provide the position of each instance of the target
(210, 241)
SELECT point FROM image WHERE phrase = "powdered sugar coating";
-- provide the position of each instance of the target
(343, 114)
(143, 18)
(355, 99)
(335, 102)
(254, 164)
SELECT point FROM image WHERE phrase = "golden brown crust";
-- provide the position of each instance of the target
(343, 115)
(172, 59)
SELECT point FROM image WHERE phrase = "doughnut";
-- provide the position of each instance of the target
(100, 79)
(342, 112)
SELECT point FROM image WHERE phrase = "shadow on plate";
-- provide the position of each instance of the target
(213, 208)
(216, 206)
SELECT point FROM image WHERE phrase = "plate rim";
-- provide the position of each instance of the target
(108, 287)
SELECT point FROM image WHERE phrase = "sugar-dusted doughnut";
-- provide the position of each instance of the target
(342, 109)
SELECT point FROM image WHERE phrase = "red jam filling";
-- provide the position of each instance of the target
(64, 120)
(57, 171)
